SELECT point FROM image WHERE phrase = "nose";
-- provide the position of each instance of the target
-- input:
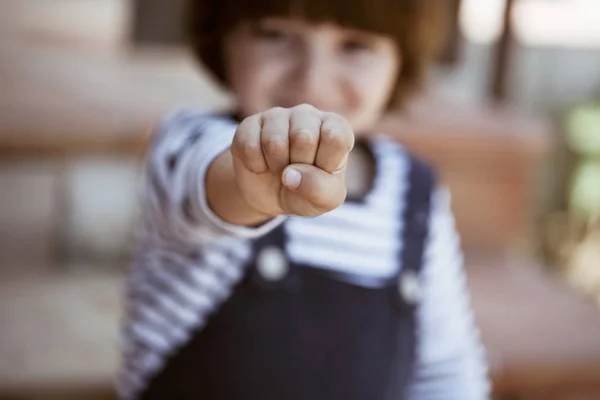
(315, 77)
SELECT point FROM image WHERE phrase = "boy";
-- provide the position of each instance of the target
(279, 260)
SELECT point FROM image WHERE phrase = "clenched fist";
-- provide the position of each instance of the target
(292, 161)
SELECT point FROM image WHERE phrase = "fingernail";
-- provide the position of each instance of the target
(292, 178)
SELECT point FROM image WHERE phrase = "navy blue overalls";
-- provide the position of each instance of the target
(308, 335)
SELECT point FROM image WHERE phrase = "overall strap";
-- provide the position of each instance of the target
(422, 182)
(406, 293)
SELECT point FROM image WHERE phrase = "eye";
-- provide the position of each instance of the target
(352, 46)
(272, 34)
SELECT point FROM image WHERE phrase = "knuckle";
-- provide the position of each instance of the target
(274, 145)
(243, 129)
(332, 117)
(273, 113)
(249, 122)
(338, 136)
(247, 150)
(332, 137)
(241, 144)
(338, 120)
(303, 138)
(305, 107)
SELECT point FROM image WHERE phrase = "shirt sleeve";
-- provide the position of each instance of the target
(451, 362)
(173, 195)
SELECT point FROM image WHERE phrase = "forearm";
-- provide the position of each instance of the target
(175, 201)
(223, 197)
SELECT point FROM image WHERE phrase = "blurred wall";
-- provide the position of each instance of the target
(158, 21)
(543, 79)
(550, 79)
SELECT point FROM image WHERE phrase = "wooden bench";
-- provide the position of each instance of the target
(62, 101)
(542, 339)
(60, 334)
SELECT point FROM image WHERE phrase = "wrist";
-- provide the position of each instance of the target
(224, 196)
(254, 211)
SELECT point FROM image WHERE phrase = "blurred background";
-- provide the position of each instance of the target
(511, 117)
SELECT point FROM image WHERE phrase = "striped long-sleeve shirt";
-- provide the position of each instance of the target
(188, 260)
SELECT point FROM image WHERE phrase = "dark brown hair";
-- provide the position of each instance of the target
(415, 25)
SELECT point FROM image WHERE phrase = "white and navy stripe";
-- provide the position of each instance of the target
(188, 260)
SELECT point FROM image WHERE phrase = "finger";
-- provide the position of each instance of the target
(324, 191)
(305, 125)
(274, 139)
(335, 143)
(246, 145)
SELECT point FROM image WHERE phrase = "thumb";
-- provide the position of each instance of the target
(324, 190)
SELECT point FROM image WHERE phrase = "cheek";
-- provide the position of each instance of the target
(370, 88)
(254, 80)
(379, 83)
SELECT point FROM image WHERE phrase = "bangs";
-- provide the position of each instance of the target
(387, 17)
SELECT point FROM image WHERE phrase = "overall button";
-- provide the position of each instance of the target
(409, 287)
(272, 264)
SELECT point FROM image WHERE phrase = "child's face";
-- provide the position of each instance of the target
(286, 62)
